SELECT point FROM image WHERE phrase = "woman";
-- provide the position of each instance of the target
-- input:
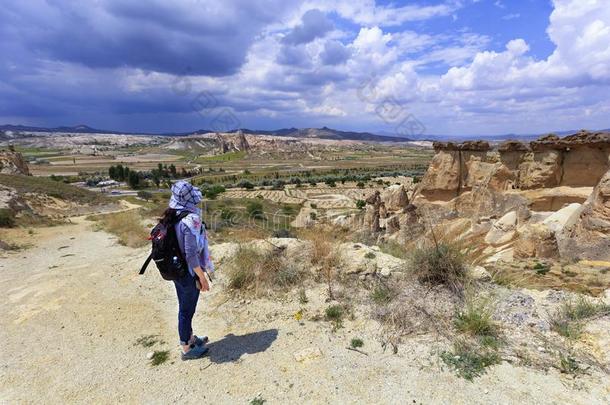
(193, 242)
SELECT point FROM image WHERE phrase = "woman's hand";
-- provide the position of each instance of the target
(203, 282)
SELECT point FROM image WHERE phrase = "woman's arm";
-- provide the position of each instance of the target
(191, 255)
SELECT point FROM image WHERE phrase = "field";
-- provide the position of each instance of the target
(328, 175)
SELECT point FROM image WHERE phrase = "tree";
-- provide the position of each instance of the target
(121, 173)
(172, 170)
(360, 184)
(134, 179)
(245, 184)
(360, 204)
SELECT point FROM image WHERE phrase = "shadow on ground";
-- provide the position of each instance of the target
(232, 347)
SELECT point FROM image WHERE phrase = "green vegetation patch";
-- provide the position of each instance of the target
(469, 360)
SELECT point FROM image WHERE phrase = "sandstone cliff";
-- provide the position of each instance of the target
(578, 160)
(13, 163)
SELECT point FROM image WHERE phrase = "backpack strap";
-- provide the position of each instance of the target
(145, 265)
(179, 218)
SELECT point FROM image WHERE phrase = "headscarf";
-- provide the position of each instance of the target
(185, 197)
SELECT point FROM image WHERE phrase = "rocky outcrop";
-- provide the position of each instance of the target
(503, 230)
(535, 240)
(232, 143)
(13, 163)
(448, 173)
(587, 235)
(578, 160)
(395, 197)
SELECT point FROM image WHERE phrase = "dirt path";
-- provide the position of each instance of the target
(74, 308)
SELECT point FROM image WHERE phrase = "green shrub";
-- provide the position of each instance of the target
(468, 360)
(382, 294)
(255, 210)
(159, 357)
(476, 319)
(360, 204)
(335, 314)
(7, 218)
(356, 343)
(145, 195)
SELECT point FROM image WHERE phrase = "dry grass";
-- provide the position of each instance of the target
(260, 272)
(570, 318)
(440, 263)
(324, 254)
(126, 226)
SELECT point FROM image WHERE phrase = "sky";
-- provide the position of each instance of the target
(408, 68)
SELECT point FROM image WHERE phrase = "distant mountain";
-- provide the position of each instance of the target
(490, 138)
(316, 133)
(78, 129)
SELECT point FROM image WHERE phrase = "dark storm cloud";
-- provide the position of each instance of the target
(334, 53)
(197, 37)
(314, 24)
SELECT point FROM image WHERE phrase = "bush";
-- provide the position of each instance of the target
(7, 218)
(382, 294)
(335, 314)
(213, 191)
(569, 319)
(228, 215)
(245, 184)
(360, 184)
(469, 360)
(283, 233)
(255, 210)
(356, 343)
(360, 204)
(476, 319)
(440, 264)
(145, 195)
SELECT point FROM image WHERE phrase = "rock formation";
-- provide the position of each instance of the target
(232, 143)
(13, 163)
(586, 235)
(578, 160)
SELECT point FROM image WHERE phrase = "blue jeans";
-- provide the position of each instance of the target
(188, 295)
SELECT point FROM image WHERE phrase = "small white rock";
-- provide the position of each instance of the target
(150, 355)
(307, 354)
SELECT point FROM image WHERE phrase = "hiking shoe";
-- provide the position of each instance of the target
(199, 341)
(196, 352)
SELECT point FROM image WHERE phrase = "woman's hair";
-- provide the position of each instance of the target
(167, 216)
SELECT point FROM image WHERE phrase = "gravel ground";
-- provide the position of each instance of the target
(74, 309)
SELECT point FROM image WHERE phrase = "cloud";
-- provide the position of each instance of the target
(334, 53)
(512, 16)
(314, 24)
(368, 13)
(194, 36)
(297, 63)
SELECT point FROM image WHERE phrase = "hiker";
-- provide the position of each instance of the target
(193, 244)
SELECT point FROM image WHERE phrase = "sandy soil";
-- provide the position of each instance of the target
(74, 308)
